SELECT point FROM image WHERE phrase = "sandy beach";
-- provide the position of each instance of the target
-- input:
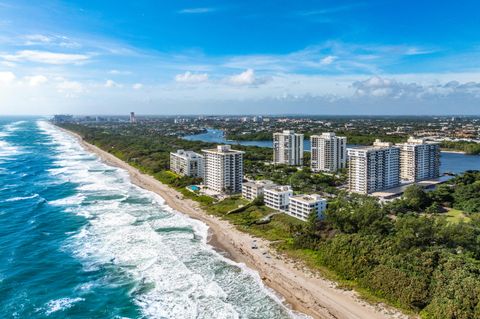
(303, 290)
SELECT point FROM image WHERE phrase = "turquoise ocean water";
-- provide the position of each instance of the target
(78, 240)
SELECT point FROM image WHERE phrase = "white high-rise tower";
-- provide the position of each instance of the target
(419, 160)
(288, 148)
(329, 152)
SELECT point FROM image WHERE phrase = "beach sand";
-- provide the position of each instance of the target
(302, 289)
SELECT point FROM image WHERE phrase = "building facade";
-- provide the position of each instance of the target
(223, 169)
(301, 206)
(133, 119)
(252, 190)
(288, 148)
(419, 160)
(277, 197)
(329, 152)
(187, 163)
(373, 168)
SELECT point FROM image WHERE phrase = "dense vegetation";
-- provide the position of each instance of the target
(409, 252)
(406, 251)
(467, 147)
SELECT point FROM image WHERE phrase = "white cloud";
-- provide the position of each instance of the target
(35, 80)
(328, 60)
(70, 86)
(189, 77)
(6, 78)
(196, 10)
(46, 57)
(112, 84)
(33, 39)
(118, 72)
(137, 86)
(245, 78)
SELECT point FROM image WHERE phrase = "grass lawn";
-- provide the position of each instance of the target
(455, 216)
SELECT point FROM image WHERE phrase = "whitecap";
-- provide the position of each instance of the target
(123, 233)
(61, 304)
(15, 199)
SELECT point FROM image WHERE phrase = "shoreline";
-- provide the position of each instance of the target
(303, 290)
(455, 152)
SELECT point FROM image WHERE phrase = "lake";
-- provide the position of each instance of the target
(450, 162)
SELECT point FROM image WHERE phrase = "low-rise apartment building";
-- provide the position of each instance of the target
(301, 206)
(277, 197)
(252, 190)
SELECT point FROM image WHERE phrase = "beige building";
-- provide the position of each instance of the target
(301, 206)
(277, 197)
(419, 160)
(329, 152)
(288, 148)
(223, 169)
(252, 190)
(187, 163)
(373, 168)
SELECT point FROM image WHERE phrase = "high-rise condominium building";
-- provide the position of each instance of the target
(419, 160)
(288, 148)
(187, 163)
(373, 168)
(329, 152)
(223, 169)
(133, 119)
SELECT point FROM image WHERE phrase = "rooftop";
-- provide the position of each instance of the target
(308, 198)
(280, 188)
(223, 149)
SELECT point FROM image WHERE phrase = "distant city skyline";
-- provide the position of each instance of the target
(239, 57)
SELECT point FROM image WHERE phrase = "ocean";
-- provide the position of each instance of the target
(79, 240)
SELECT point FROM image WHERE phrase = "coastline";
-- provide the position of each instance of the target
(302, 289)
(454, 152)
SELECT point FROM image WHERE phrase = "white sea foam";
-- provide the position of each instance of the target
(60, 304)
(178, 275)
(7, 150)
(15, 199)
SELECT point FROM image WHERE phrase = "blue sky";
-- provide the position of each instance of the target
(231, 57)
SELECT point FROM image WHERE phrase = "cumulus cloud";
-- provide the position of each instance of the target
(46, 57)
(112, 84)
(6, 77)
(137, 86)
(245, 78)
(189, 77)
(35, 80)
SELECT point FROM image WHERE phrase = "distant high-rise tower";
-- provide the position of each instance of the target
(373, 168)
(288, 148)
(329, 152)
(419, 160)
(132, 117)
